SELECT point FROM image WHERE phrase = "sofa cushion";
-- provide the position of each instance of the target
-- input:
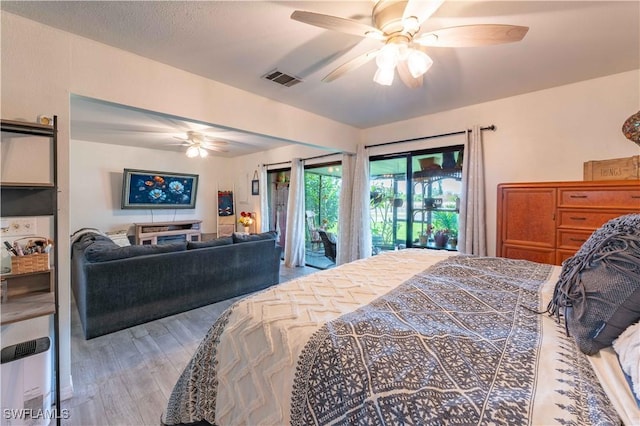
(222, 241)
(103, 251)
(243, 238)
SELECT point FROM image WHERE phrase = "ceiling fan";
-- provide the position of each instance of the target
(397, 24)
(199, 144)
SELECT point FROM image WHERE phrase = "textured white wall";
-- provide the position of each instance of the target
(96, 185)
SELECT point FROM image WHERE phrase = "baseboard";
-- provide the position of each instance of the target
(67, 391)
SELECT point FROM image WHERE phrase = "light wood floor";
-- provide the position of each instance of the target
(125, 378)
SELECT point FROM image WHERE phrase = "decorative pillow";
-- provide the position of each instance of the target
(100, 252)
(599, 287)
(120, 238)
(82, 232)
(85, 240)
(243, 238)
(222, 241)
(627, 347)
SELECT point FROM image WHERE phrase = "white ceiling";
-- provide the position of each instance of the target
(237, 42)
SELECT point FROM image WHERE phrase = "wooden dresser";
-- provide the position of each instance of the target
(547, 222)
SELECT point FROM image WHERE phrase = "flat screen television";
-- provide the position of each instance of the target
(146, 189)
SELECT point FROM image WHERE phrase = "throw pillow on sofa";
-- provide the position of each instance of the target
(89, 239)
(102, 252)
(119, 237)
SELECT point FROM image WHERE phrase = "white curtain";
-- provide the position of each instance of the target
(264, 199)
(354, 239)
(344, 210)
(472, 237)
(294, 242)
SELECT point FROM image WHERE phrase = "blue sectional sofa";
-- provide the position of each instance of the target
(119, 287)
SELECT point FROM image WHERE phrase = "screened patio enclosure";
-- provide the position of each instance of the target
(322, 198)
(415, 199)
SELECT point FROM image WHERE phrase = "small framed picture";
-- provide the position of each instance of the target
(255, 187)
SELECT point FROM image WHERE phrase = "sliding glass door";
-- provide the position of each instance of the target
(415, 199)
(322, 199)
(388, 203)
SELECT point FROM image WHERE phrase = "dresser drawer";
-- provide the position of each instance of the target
(586, 219)
(572, 239)
(562, 255)
(621, 198)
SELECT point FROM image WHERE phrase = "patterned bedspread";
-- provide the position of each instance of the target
(401, 338)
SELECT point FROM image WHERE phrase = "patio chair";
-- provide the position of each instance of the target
(329, 246)
(313, 230)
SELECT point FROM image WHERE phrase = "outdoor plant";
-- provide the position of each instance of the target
(381, 202)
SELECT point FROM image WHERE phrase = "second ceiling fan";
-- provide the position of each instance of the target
(397, 24)
(198, 144)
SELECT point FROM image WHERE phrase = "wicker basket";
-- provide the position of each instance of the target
(29, 263)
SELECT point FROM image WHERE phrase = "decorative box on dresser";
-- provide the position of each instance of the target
(547, 222)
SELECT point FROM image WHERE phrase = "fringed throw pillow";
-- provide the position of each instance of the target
(598, 291)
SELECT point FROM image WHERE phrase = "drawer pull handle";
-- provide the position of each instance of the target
(578, 240)
(635, 196)
(577, 218)
(578, 196)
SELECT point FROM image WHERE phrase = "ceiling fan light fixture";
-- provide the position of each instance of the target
(202, 152)
(418, 63)
(388, 56)
(384, 76)
(192, 151)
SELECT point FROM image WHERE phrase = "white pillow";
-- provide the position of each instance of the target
(627, 346)
(119, 237)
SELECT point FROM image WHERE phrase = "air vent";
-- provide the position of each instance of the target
(282, 78)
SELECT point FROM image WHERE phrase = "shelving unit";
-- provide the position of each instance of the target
(33, 294)
(423, 185)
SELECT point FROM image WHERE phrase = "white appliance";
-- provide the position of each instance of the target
(26, 383)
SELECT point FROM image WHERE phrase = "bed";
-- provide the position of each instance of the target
(407, 337)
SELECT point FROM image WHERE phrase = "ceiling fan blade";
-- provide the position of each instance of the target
(472, 35)
(421, 9)
(335, 23)
(210, 140)
(356, 62)
(214, 148)
(406, 77)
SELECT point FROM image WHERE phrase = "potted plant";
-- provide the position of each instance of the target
(441, 237)
(453, 239)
